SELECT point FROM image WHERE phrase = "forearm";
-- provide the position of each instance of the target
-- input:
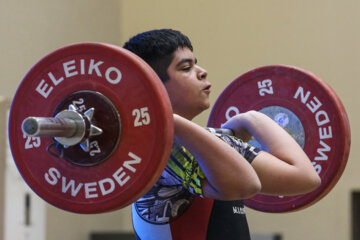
(272, 136)
(228, 175)
(286, 170)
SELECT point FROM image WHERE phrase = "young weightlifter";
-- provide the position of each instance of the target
(199, 194)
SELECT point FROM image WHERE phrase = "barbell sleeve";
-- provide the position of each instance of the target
(49, 127)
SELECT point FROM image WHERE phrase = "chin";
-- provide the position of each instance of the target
(207, 106)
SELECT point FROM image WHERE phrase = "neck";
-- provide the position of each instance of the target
(187, 115)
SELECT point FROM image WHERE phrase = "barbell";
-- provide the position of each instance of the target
(91, 130)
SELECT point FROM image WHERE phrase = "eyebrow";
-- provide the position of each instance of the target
(184, 60)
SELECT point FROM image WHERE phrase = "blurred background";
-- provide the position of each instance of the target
(229, 38)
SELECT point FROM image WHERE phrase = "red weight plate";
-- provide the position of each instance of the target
(146, 127)
(307, 108)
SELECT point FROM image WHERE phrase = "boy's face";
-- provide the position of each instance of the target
(187, 86)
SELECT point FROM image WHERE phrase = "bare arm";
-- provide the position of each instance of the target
(228, 175)
(286, 170)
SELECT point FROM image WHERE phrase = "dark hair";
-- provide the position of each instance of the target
(157, 47)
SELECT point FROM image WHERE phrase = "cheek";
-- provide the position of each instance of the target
(174, 93)
(181, 89)
(176, 88)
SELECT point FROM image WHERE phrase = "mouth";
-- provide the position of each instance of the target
(207, 89)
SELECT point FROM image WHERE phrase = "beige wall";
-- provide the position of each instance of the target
(4, 106)
(230, 37)
(31, 29)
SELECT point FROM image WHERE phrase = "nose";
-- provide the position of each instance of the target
(202, 73)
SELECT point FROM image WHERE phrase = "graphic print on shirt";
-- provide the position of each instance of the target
(164, 202)
(173, 193)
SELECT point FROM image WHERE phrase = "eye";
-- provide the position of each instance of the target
(186, 68)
